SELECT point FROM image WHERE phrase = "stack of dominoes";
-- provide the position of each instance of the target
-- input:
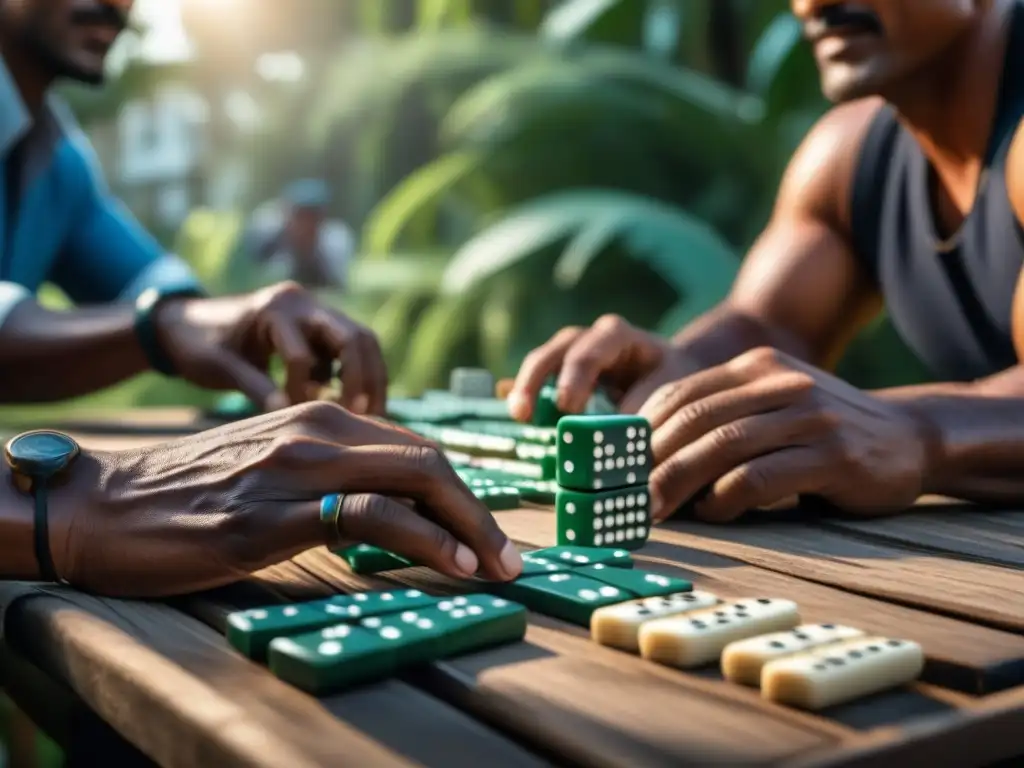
(603, 467)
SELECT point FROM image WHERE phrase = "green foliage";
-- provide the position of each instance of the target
(515, 166)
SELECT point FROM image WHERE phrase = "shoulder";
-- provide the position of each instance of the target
(1015, 173)
(820, 178)
(75, 159)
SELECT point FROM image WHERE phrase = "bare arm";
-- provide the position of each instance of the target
(46, 355)
(801, 289)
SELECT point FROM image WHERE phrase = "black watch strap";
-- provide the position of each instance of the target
(41, 537)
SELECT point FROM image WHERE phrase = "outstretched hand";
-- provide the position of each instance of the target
(227, 343)
(628, 362)
(206, 510)
(767, 427)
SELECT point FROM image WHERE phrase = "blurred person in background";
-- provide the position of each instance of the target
(140, 307)
(909, 194)
(293, 238)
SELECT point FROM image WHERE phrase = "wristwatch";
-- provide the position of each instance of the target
(38, 460)
(145, 327)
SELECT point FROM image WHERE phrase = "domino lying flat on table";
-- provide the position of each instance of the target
(618, 626)
(347, 654)
(698, 638)
(743, 660)
(841, 672)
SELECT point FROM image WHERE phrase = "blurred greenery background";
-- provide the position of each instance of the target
(509, 166)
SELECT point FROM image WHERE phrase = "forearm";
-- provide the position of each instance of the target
(725, 332)
(974, 435)
(46, 355)
(17, 552)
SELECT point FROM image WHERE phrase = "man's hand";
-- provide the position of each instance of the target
(766, 427)
(628, 362)
(208, 509)
(227, 343)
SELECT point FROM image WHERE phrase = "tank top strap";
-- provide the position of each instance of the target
(869, 186)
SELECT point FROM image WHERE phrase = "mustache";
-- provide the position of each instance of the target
(101, 15)
(838, 16)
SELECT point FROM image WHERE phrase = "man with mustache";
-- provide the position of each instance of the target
(908, 194)
(205, 510)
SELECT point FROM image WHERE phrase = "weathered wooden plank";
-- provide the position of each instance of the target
(981, 593)
(173, 687)
(961, 655)
(561, 693)
(957, 530)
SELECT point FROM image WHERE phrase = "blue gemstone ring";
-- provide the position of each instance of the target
(330, 516)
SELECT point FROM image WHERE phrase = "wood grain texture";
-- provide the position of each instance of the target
(204, 704)
(962, 655)
(981, 593)
(954, 530)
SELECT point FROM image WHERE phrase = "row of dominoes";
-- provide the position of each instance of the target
(327, 645)
(760, 642)
(603, 467)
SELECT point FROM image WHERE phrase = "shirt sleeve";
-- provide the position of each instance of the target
(108, 256)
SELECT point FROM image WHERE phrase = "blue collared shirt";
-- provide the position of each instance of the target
(68, 229)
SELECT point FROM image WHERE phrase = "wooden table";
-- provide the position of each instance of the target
(170, 688)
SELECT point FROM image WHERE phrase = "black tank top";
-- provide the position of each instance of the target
(952, 303)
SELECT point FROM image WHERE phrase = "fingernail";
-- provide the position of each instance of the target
(466, 561)
(518, 407)
(276, 401)
(511, 561)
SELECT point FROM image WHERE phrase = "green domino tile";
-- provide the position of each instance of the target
(567, 596)
(333, 658)
(529, 470)
(485, 409)
(601, 452)
(474, 622)
(471, 382)
(536, 491)
(498, 497)
(545, 411)
(415, 635)
(366, 559)
(521, 433)
(251, 631)
(642, 583)
(620, 517)
(582, 556)
(538, 566)
(543, 455)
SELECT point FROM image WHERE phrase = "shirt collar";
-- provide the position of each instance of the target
(15, 120)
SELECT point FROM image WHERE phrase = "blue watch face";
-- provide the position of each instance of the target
(42, 453)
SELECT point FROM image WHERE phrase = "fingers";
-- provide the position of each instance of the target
(668, 399)
(538, 365)
(386, 523)
(594, 353)
(698, 418)
(765, 482)
(251, 381)
(291, 345)
(713, 455)
(364, 377)
(376, 374)
(418, 472)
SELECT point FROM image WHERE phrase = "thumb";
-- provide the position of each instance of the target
(251, 381)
